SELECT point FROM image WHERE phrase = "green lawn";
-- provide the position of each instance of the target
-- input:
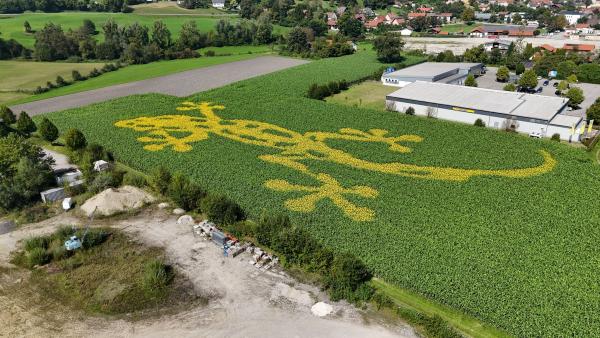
(12, 27)
(137, 73)
(368, 94)
(496, 225)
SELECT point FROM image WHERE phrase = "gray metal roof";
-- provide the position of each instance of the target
(431, 69)
(489, 100)
(566, 120)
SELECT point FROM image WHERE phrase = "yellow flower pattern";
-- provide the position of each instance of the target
(295, 149)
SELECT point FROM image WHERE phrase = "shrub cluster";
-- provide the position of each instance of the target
(319, 92)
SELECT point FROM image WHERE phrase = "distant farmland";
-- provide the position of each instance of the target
(498, 225)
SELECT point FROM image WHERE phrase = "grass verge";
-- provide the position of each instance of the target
(461, 322)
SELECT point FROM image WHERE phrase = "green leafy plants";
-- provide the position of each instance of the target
(480, 245)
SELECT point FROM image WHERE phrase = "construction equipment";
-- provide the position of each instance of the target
(74, 242)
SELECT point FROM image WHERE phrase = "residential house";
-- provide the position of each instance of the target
(406, 31)
(548, 48)
(340, 10)
(572, 16)
(378, 20)
(424, 9)
(539, 3)
(584, 28)
(499, 44)
(331, 16)
(220, 4)
(505, 3)
(414, 15)
(479, 16)
(332, 24)
(442, 17)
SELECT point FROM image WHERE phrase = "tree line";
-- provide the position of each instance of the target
(136, 43)
(20, 6)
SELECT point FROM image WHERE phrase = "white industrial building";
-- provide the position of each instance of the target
(525, 113)
(444, 72)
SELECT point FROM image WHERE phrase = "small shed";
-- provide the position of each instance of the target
(218, 237)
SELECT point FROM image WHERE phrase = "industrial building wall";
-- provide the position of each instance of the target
(490, 121)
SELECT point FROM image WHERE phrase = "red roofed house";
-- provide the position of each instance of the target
(574, 47)
(414, 15)
(548, 47)
(378, 20)
(443, 17)
(584, 28)
(332, 24)
(424, 9)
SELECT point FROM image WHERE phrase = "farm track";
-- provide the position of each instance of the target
(179, 84)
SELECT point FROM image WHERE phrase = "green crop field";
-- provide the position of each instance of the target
(368, 94)
(498, 225)
(129, 74)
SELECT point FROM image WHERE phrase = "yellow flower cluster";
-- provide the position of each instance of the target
(296, 148)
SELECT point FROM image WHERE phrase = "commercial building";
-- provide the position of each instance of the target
(502, 30)
(525, 113)
(445, 72)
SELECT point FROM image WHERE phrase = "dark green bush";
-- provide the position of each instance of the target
(75, 140)
(479, 123)
(37, 256)
(48, 130)
(185, 193)
(410, 111)
(93, 238)
(76, 75)
(221, 209)
(160, 180)
(555, 137)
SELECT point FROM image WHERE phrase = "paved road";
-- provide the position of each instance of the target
(178, 84)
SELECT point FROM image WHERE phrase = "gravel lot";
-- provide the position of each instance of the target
(590, 91)
(179, 84)
(459, 45)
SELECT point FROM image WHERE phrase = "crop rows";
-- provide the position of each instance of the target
(521, 254)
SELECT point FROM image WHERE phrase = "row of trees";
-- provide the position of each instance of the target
(20, 6)
(137, 43)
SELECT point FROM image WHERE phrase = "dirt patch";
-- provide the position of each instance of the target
(245, 301)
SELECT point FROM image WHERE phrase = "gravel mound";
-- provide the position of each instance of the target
(321, 309)
(112, 201)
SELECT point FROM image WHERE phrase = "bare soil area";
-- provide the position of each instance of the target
(244, 302)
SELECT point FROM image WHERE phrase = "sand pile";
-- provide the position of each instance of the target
(112, 201)
(321, 309)
(294, 295)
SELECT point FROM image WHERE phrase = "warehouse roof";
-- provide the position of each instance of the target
(489, 100)
(565, 120)
(431, 69)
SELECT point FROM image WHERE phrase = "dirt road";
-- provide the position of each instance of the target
(244, 302)
(178, 84)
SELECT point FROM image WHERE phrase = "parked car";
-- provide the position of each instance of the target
(535, 134)
(557, 93)
(555, 84)
(547, 82)
(539, 90)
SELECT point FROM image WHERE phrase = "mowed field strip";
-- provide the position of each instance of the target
(179, 84)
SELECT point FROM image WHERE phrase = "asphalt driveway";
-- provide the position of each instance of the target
(179, 84)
